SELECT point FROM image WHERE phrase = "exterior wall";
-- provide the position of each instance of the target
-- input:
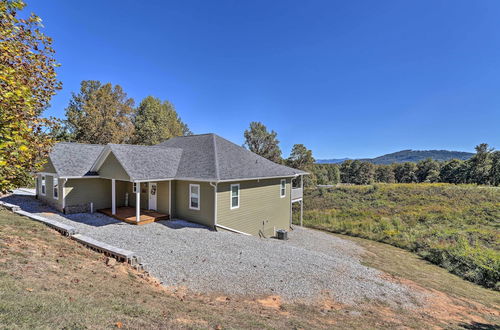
(261, 208)
(49, 194)
(48, 167)
(80, 192)
(162, 196)
(112, 169)
(205, 215)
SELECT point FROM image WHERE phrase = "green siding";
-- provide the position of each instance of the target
(49, 194)
(162, 200)
(112, 169)
(205, 215)
(260, 202)
(84, 191)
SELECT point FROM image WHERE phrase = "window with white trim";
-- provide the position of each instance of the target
(235, 196)
(43, 185)
(194, 196)
(55, 190)
(134, 187)
(283, 188)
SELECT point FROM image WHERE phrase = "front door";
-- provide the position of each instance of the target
(152, 195)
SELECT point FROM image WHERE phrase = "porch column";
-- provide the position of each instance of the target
(170, 199)
(138, 204)
(302, 199)
(113, 197)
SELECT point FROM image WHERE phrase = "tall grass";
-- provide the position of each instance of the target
(454, 226)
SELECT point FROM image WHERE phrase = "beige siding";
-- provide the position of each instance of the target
(112, 169)
(205, 215)
(48, 167)
(49, 191)
(261, 207)
(83, 191)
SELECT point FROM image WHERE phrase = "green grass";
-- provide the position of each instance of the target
(454, 226)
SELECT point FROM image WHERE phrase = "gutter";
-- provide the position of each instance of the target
(215, 202)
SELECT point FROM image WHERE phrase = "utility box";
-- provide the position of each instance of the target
(282, 234)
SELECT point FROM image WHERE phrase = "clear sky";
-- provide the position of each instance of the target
(345, 78)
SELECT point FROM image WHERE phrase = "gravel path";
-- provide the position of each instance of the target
(310, 265)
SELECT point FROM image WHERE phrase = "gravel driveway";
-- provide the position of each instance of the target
(310, 265)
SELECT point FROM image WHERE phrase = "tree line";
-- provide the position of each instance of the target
(483, 168)
(102, 113)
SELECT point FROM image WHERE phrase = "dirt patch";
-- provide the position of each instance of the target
(270, 302)
(444, 307)
(191, 322)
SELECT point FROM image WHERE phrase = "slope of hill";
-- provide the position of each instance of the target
(408, 156)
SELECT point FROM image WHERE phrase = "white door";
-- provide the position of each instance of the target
(152, 195)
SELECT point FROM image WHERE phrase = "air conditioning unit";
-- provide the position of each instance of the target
(282, 234)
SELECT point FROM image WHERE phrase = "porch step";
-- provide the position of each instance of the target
(127, 214)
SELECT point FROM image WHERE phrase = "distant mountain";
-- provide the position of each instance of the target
(331, 161)
(408, 156)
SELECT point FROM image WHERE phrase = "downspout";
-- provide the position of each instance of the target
(215, 202)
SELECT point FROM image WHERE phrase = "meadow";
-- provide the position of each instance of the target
(454, 226)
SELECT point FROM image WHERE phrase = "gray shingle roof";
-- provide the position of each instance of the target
(147, 162)
(202, 157)
(74, 159)
(210, 156)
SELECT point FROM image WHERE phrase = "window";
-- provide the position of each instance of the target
(235, 196)
(55, 191)
(283, 188)
(43, 185)
(194, 196)
(134, 188)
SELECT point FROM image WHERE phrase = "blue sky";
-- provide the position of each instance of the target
(345, 78)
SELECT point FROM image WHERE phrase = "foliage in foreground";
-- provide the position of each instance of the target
(453, 226)
(27, 83)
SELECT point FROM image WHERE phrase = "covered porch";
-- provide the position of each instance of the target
(140, 202)
(129, 215)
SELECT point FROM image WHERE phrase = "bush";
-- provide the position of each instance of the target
(453, 226)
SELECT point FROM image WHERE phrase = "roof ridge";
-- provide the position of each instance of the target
(216, 157)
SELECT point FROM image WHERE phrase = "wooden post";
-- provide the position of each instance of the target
(138, 204)
(113, 197)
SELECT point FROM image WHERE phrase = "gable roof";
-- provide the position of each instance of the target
(206, 157)
(147, 162)
(74, 159)
(210, 156)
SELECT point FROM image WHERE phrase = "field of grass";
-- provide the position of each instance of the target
(454, 226)
(49, 281)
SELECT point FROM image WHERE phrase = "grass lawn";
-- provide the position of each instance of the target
(454, 226)
(50, 281)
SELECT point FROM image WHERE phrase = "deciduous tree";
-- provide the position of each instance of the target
(100, 114)
(262, 142)
(156, 121)
(27, 83)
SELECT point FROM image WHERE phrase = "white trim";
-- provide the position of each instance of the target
(199, 196)
(100, 159)
(43, 185)
(47, 173)
(231, 196)
(138, 205)
(152, 180)
(281, 188)
(113, 196)
(233, 230)
(149, 196)
(81, 177)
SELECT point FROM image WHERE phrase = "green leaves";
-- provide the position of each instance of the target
(28, 81)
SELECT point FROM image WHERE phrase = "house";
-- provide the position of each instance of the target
(200, 178)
